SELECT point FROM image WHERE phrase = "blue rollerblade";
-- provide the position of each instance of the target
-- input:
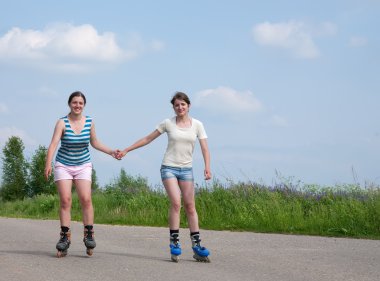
(175, 247)
(63, 244)
(200, 253)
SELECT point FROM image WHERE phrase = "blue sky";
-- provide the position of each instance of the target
(285, 89)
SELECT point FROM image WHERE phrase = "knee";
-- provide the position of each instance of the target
(66, 203)
(86, 203)
(176, 207)
(190, 208)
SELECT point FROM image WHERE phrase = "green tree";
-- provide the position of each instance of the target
(94, 183)
(37, 181)
(129, 184)
(14, 170)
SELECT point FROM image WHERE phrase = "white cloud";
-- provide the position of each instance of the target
(7, 132)
(3, 108)
(65, 46)
(356, 41)
(227, 100)
(295, 36)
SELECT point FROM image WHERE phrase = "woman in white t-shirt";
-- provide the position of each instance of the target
(177, 172)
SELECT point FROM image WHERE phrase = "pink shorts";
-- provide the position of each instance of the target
(64, 172)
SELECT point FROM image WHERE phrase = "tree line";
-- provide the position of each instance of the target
(25, 179)
(21, 178)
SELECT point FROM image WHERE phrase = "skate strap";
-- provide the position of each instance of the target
(196, 239)
(64, 234)
(88, 233)
(64, 237)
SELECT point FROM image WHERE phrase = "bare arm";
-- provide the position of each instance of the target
(95, 143)
(206, 158)
(58, 132)
(141, 142)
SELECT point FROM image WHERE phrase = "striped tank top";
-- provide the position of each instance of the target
(74, 147)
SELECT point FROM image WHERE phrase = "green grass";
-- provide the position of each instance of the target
(343, 211)
(328, 212)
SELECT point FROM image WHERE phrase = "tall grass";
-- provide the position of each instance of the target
(340, 211)
(346, 211)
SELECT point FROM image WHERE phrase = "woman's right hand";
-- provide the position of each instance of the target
(47, 173)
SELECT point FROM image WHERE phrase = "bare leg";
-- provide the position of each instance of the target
(64, 191)
(65, 198)
(83, 188)
(200, 253)
(187, 189)
(174, 193)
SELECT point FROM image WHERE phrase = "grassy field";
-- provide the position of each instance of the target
(344, 211)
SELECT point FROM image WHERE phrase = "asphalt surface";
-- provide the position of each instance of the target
(27, 252)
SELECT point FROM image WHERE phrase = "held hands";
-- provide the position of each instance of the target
(118, 154)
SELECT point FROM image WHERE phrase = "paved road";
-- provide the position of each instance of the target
(27, 252)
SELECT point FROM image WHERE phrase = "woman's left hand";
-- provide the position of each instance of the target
(207, 174)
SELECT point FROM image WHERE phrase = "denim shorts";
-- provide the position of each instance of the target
(181, 174)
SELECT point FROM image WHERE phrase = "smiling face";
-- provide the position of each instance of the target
(181, 108)
(76, 105)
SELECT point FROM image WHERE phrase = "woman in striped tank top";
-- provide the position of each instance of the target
(73, 165)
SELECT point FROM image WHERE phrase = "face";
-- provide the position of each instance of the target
(181, 108)
(77, 105)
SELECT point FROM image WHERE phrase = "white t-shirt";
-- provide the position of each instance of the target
(181, 141)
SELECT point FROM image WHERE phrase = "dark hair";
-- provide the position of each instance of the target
(77, 94)
(180, 96)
